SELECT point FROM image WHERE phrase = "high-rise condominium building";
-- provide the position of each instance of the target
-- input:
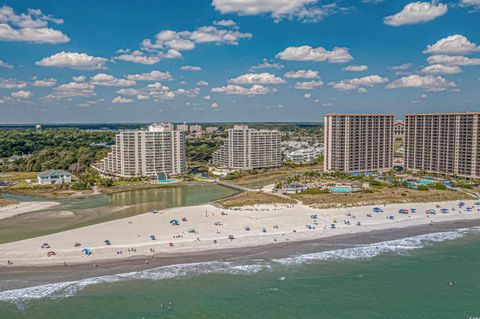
(158, 152)
(358, 142)
(443, 143)
(399, 129)
(247, 148)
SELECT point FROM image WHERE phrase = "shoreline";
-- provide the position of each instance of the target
(207, 227)
(21, 208)
(28, 276)
(100, 191)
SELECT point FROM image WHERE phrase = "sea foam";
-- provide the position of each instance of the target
(22, 296)
(69, 288)
(398, 246)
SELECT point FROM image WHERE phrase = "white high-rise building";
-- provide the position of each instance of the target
(443, 143)
(157, 153)
(358, 142)
(247, 148)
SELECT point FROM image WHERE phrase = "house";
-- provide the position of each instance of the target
(293, 188)
(54, 177)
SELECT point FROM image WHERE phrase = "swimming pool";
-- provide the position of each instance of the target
(167, 180)
(425, 182)
(341, 189)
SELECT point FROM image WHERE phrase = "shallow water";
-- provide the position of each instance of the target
(95, 209)
(426, 276)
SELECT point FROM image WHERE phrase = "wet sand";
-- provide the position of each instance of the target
(24, 208)
(27, 276)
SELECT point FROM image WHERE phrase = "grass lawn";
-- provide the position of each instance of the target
(378, 197)
(271, 176)
(252, 198)
(44, 191)
(16, 176)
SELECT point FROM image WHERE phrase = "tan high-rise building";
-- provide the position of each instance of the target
(158, 152)
(358, 142)
(443, 143)
(247, 148)
(399, 129)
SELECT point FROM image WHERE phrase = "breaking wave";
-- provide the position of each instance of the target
(397, 246)
(70, 288)
(67, 289)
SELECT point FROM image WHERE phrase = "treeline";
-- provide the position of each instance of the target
(200, 150)
(69, 149)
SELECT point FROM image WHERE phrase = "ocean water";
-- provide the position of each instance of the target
(427, 276)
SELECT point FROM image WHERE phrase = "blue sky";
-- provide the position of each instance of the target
(235, 60)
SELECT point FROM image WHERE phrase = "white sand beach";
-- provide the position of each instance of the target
(206, 228)
(24, 208)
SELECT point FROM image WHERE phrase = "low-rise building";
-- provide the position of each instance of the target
(54, 177)
(304, 155)
(182, 127)
(211, 129)
(195, 128)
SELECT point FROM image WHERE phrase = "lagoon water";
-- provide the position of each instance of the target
(87, 210)
(427, 276)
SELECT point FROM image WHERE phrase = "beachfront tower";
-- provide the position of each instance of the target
(247, 148)
(157, 153)
(358, 142)
(443, 143)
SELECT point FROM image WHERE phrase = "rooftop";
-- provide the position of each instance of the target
(53, 172)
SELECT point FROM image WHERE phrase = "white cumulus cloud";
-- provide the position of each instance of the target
(190, 68)
(358, 83)
(21, 95)
(429, 83)
(151, 76)
(453, 60)
(356, 68)
(441, 69)
(257, 78)
(73, 60)
(307, 53)
(304, 10)
(12, 84)
(454, 44)
(302, 74)
(73, 89)
(31, 26)
(417, 12)
(103, 79)
(44, 82)
(232, 89)
(309, 85)
(5, 65)
(122, 100)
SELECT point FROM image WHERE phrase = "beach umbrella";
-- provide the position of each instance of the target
(86, 251)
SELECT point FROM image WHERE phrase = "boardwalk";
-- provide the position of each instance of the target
(237, 187)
